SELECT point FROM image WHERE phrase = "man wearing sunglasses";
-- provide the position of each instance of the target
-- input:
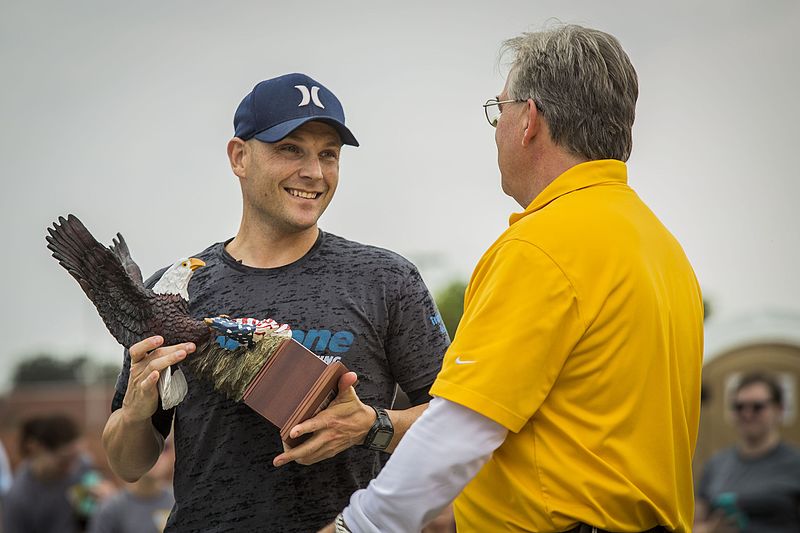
(754, 485)
(570, 397)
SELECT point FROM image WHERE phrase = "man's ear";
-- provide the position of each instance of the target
(533, 123)
(237, 155)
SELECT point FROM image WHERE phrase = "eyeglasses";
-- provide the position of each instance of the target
(755, 407)
(492, 112)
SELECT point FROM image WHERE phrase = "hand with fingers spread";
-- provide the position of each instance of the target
(148, 360)
(344, 423)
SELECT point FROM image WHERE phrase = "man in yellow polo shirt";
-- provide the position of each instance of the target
(569, 399)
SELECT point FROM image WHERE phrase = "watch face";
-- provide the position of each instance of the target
(382, 439)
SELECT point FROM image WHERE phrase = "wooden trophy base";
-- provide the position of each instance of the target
(292, 387)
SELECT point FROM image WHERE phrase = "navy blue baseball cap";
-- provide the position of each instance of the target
(278, 106)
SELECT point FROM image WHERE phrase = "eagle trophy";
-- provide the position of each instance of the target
(230, 351)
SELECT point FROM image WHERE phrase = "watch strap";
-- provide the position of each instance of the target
(339, 526)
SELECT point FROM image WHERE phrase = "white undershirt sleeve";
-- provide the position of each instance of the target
(441, 452)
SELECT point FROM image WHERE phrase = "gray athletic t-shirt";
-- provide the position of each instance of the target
(766, 489)
(365, 306)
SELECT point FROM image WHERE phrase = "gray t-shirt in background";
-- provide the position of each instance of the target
(127, 513)
(361, 304)
(35, 506)
(766, 489)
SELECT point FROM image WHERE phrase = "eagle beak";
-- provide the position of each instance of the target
(195, 263)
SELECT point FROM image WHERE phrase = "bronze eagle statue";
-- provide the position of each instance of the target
(229, 351)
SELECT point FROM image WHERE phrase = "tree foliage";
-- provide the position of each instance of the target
(44, 368)
(450, 301)
(708, 308)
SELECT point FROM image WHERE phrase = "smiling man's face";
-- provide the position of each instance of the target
(289, 184)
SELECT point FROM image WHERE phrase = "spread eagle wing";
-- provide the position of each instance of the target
(112, 281)
(120, 249)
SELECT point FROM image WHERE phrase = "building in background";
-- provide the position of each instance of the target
(88, 404)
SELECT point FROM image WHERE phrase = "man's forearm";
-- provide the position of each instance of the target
(401, 421)
(132, 446)
(444, 451)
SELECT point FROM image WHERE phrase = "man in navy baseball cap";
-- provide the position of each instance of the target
(363, 305)
(276, 107)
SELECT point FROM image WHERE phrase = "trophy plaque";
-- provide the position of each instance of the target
(293, 386)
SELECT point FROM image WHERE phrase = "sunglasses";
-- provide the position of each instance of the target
(755, 407)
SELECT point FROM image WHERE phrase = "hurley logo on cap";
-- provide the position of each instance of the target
(271, 111)
(308, 96)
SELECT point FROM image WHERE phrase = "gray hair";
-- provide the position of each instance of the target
(584, 85)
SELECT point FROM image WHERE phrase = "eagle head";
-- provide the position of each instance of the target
(175, 279)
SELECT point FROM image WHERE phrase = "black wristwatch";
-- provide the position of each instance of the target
(381, 432)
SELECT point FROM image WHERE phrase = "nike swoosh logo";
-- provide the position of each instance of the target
(460, 361)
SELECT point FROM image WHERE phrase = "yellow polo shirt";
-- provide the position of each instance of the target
(582, 334)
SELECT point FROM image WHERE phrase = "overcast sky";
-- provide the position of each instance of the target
(119, 112)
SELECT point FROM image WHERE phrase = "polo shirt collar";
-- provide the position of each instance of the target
(578, 177)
